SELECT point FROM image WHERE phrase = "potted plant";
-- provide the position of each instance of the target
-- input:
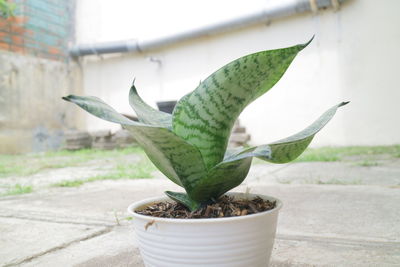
(190, 148)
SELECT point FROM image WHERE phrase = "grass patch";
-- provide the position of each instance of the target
(323, 182)
(18, 190)
(73, 183)
(320, 155)
(142, 169)
(29, 164)
(338, 182)
(367, 163)
(329, 154)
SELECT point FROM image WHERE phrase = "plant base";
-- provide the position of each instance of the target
(234, 241)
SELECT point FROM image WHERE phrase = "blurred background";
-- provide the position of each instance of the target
(52, 48)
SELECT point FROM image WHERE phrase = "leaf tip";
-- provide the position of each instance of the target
(307, 43)
(133, 90)
(344, 103)
(67, 98)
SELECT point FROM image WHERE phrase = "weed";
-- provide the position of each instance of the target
(337, 182)
(72, 183)
(367, 163)
(281, 181)
(18, 190)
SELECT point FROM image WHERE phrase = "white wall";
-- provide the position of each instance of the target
(353, 57)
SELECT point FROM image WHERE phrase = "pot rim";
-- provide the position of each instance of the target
(147, 201)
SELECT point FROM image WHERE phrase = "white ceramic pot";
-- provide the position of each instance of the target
(244, 241)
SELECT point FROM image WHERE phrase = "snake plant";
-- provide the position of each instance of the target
(190, 146)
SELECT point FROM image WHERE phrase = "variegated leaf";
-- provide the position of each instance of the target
(146, 113)
(233, 170)
(178, 160)
(98, 108)
(288, 149)
(184, 199)
(220, 179)
(205, 117)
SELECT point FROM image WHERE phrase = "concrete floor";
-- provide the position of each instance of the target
(334, 214)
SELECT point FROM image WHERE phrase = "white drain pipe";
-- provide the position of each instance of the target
(275, 9)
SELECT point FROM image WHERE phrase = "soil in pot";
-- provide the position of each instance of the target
(225, 206)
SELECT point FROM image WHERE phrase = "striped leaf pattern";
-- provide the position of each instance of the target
(205, 117)
(146, 113)
(189, 147)
(220, 179)
(184, 199)
(176, 159)
(287, 149)
(233, 170)
(98, 108)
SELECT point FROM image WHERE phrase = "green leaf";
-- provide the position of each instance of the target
(220, 179)
(98, 108)
(258, 151)
(204, 118)
(146, 113)
(184, 199)
(287, 149)
(178, 160)
(233, 170)
(290, 148)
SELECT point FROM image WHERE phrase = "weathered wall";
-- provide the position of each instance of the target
(353, 57)
(35, 72)
(32, 115)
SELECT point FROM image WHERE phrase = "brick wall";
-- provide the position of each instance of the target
(40, 27)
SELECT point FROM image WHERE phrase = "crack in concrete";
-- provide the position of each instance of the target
(58, 221)
(62, 246)
(340, 240)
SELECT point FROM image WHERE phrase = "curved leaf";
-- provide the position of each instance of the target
(288, 149)
(258, 151)
(98, 108)
(220, 179)
(178, 160)
(205, 117)
(184, 199)
(233, 170)
(146, 113)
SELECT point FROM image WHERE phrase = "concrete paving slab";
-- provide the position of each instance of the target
(346, 173)
(22, 240)
(117, 248)
(330, 210)
(328, 253)
(92, 203)
(351, 212)
(320, 225)
(45, 178)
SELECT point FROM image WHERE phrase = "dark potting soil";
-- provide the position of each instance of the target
(225, 206)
